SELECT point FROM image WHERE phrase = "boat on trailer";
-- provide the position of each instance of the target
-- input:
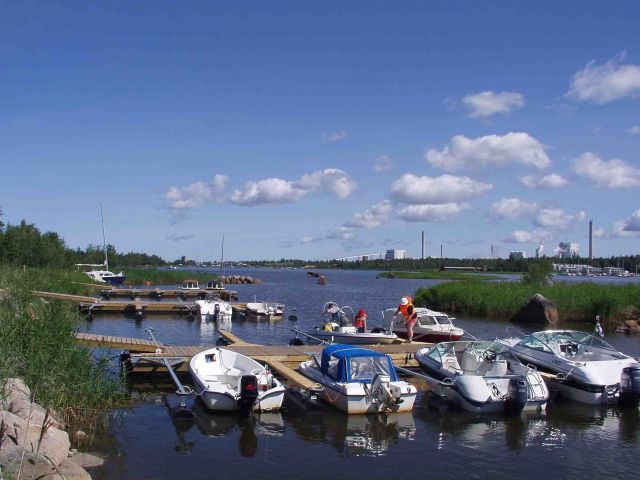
(587, 369)
(359, 380)
(480, 376)
(227, 381)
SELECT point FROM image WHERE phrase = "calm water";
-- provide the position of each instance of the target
(147, 441)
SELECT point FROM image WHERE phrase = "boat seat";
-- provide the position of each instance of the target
(451, 363)
(470, 362)
(495, 369)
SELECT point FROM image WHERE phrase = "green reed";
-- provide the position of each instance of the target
(140, 275)
(37, 344)
(575, 301)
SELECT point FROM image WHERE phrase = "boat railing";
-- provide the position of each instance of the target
(297, 331)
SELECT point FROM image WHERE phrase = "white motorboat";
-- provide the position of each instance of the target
(586, 368)
(338, 328)
(482, 376)
(359, 380)
(214, 309)
(106, 276)
(431, 326)
(264, 310)
(228, 381)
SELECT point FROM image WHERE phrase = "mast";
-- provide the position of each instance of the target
(222, 257)
(104, 240)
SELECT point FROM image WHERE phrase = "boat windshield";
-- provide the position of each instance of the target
(448, 349)
(443, 319)
(544, 340)
(365, 368)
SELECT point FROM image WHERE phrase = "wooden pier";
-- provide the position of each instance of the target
(159, 294)
(137, 307)
(283, 359)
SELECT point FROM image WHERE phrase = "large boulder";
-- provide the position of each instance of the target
(14, 390)
(537, 309)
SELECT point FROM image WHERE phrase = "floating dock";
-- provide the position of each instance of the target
(137, 307)
(283, 359)
(159, 294)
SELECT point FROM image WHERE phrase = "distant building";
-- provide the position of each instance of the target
(395, 254)
(539, 251)
(184, 259)
(517, 255)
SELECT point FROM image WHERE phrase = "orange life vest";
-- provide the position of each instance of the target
(359, 322)
(404, 310)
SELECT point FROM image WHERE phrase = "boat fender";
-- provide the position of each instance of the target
(379, 330)
(248, 393)
(630, 385)
(517, 395)
(296, 342)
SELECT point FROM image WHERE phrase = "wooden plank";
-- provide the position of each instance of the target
(292, 377)
(63, 296)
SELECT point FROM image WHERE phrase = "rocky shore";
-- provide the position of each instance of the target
(34, 443)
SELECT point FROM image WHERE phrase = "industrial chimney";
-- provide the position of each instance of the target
(590, 239)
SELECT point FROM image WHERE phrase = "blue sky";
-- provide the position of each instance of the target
(323, 130)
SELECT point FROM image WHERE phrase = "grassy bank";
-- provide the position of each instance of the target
(37, 345)
(575, 301)
(139, 275)
(438, 275)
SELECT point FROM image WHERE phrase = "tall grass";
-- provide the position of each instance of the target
(575, 301)
(137, 276)
(439, 275)
(37, 344)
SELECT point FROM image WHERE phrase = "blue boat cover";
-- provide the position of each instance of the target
(338, 362)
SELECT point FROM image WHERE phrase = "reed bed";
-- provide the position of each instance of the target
(140, 275)
(439, 275)
(37, 344)
(579, 302)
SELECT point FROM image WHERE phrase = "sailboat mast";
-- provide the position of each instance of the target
(222, 258)
(104, 240)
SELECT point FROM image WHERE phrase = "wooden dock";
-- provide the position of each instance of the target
(159, 294)
(137, 307)
(283, 359)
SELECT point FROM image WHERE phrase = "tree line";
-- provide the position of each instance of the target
(25, 244)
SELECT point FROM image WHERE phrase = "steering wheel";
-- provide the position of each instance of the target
(489, 356)
(257, 371)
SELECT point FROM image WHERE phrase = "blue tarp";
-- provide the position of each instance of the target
(340, 362)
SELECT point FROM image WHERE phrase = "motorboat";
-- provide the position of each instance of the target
(431, 326)
(228, 381)
(587, 369)
(106, 276)
(481, 376)
(190, 285)
(338, 328)
(264, 310)
(359, 380)
(214, 309)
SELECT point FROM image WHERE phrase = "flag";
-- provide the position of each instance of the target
(599, 329)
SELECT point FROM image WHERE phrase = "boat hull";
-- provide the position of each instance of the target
(355, 338)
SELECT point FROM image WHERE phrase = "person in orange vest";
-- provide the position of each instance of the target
(360, 322)
(409, 314)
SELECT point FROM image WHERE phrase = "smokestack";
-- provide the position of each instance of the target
(590, 239)
(440, 251)
(422, 244)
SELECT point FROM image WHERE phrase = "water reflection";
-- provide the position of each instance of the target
(353, 435)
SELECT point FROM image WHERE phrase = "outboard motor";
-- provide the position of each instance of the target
(125, 362)
(517, 396)
(630, 386)
(248, 393)
(296, 342)
(216, 311)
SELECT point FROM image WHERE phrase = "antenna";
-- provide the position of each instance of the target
(104, 240)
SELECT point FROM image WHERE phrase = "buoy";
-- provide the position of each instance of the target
(293, 318)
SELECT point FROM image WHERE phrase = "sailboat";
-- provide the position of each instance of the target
(104, 276)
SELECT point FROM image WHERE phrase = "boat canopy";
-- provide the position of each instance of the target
(346, 363)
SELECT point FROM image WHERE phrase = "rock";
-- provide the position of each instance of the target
(391, 275)
(87, 460)
(14, 389)
(79, 436)
(537, 309)
(632, 326)
(53, 443)
(322, 280)
(248, 279)
(33, 413)
(67, 470)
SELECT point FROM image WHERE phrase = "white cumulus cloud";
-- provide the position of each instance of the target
(635, 130)
(372, 217)
(196, 194)
(512, 208)
(632, 224)
(558, 218)
(342, 233)
(434, 212)
(277, 190)
(546, 182)
(410, 188)
(490, 150)
(606, 83)
(614, 173)
(486, 104)
(524, 236)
